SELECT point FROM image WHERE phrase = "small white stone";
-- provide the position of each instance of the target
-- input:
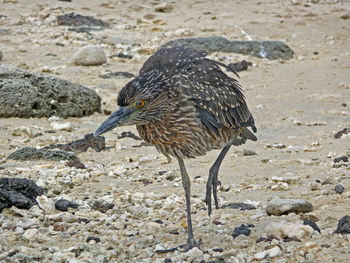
(288, 229)
(159, 247)
(30, 234)
(273, 252)
(45, 203)
(64, 126)
(90, 55)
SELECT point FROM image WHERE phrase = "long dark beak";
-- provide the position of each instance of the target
(117, 118)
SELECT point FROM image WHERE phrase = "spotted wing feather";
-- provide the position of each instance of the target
(218, 98)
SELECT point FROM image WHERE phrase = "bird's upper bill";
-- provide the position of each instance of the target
(121, 117)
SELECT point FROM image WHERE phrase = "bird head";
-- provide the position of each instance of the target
(142, 100)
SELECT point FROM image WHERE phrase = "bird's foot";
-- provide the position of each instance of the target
(212, 187)
(182, 248)
(208, 199)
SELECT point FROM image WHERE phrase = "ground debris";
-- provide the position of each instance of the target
(82, 145)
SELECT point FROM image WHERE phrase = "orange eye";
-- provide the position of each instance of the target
(140, 104)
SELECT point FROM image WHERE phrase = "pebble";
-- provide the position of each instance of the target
(90, 55)
(288, 229)
(279, 207)
(343, 226)
(272, 252)
(341, 158)
(312, 224)
(62, 126)
(163, 8)
(30, 234)
(101, 206)
(247, 152)
(241, 230)
(63, 205)
(46, 204)
(339, 189)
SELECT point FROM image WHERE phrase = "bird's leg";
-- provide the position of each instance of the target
(186, 183)
(213, 179)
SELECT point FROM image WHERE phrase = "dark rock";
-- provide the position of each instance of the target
(31, 153)
(241, 206)
(339, 134)
(119, 74)
(81, 23)
(26, 94)
(83, 220)
(269, 238)
(65, 0)
(220, 250)
(63, 205)
(216, 222)
(290, 239)
(97, 239)
(129, 134)
(279, 207)
(121, 55)
(343, 226)
(346, 16)
(107, 112)
(158, 221)
(82, 145)
(1, 55)
(341, 158)
(59, 44)
(76, 164)
(240, 66)
(339, 189)
(312, 224)
(241, 230)
(18, 192)
(103, 207)
(261, 49)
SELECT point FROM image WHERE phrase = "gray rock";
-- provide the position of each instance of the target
(343, 226)
(90, 55)
(81, 23)
(247, 152)
(27, 94)
(279, 207)
(339, 189)
(31, 153)
(63, 205)
(261, 49)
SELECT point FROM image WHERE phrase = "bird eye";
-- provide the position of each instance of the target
(140, 104)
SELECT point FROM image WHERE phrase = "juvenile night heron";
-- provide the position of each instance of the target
(184, 104)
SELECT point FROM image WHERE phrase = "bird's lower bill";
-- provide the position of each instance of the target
(121, 117)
